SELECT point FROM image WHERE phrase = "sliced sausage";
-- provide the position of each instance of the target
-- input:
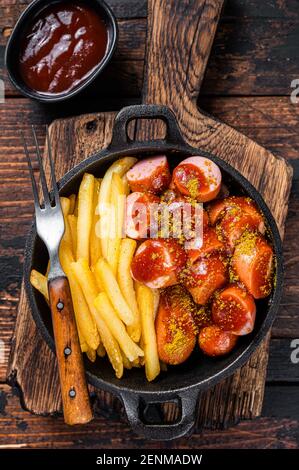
(203, 317)
(150, 175)
(175, 328)
(235, 223)
(235, 205)
(253, 262)
(213, 341)
(210, 243)
(157, 263)
(188, 222)
(171, 195)
(205, 276)
(197, 177)
(196, 220)
(139, 210)
(186, 219)
(234, 310)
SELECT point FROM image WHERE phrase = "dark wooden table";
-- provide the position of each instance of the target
(248, 85)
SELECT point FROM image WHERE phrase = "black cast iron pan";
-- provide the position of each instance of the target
(181, 383)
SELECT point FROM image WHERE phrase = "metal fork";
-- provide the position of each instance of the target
(50, 228)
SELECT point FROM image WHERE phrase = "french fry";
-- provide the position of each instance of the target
(76, 207)
(110, 285)
(72, 221)
(66, 256)
(118, 201)
(145, 302)
(72, 199)
(95, 242)
(91, 354)
(65, 207)
(85, 207)
(40, 282)
(126, 185)
(83, 316)
(88, 285)
(101, 351)
(112, 348)
(87, 281)
(156, 296)
(97, 279)
(117, 328)
(127, 363)
(125, 281)
(83, 345)
(136, 363)
(84, 319)
(141, 344)
(120, 167)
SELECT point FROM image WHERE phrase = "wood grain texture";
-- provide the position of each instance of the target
(21, 429)
(214, 400)
(73, 386)
(281, 9)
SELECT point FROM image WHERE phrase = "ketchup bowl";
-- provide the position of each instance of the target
(57, 49)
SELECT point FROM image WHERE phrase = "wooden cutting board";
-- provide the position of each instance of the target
(179, 39)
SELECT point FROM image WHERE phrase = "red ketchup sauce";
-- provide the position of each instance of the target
(62, 46)
(189, 179)
(158, 258)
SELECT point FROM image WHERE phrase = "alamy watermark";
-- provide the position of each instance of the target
(295, 92)
(295, 353)
(179, 220)
(2, 91)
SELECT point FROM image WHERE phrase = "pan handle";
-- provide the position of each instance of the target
(164, 432)
(120, 136)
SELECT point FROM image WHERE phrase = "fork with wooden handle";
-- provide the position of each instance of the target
(50, 228)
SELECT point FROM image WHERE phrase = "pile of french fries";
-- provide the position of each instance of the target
(114, 315)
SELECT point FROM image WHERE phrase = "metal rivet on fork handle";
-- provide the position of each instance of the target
(60, 306)
(72, 393)
(67, 351)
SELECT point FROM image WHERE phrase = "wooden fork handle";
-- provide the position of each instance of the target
(75, 397)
